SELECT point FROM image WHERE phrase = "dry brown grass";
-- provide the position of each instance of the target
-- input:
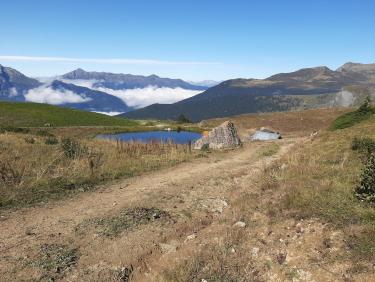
(31, 172)
(287, 123)
(319, 182)
(313, 186)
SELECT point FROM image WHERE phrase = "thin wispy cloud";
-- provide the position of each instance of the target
(111, 61)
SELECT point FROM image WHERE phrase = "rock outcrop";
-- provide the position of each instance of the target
(223, 136)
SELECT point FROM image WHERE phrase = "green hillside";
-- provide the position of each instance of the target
(33, 115)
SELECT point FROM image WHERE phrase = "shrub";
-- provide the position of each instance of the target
(9, 174)
(30, 140)
(51, 141)
(349, 119)
(363, 145)
(72, 148)
(14, 129)
(366, 189)
(205, 147)
(42, 132)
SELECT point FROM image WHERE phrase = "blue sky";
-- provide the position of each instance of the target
(194, 40)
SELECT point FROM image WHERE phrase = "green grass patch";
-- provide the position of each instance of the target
(55, 259)
(37, 115)
(363, 113)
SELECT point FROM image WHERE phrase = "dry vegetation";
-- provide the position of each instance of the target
(290, 124)
(37, 166)
(320, 182)
(304, 221)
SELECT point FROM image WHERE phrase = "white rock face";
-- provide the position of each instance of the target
(265, 134)
(223, 136)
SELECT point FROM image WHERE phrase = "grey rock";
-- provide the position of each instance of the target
(221, 137)
(240, 224)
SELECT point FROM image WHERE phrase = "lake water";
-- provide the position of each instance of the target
(182, 137)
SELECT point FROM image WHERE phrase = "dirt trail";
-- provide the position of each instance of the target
(81, 239)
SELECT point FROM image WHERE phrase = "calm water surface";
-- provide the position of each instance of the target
(182, 137)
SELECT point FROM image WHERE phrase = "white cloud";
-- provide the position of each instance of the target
(112, 61)
(48, 95)
(108, 113)
(141, 97)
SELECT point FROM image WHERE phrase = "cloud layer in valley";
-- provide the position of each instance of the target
(142, 97)
(45, 94)
(108, 113)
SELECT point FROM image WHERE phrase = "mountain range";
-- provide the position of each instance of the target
(67, 91)
(128, 81)
(305, 88)
(107, 92)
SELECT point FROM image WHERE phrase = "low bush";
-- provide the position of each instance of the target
(9, 174)
(29, 140)
(14, 129)
(51, 141)
(72, 148)
(45, 133)
(366, 188)
(205, 147)
(363, 145)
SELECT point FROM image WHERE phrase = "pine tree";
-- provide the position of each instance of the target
(183, 119)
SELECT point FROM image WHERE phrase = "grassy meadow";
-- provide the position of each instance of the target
(40, 162)
(37, 115)
(35, 168)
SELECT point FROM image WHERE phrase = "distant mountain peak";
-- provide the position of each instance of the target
(13, 83)
(75, 74)
(356, 67)
(153, 76)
